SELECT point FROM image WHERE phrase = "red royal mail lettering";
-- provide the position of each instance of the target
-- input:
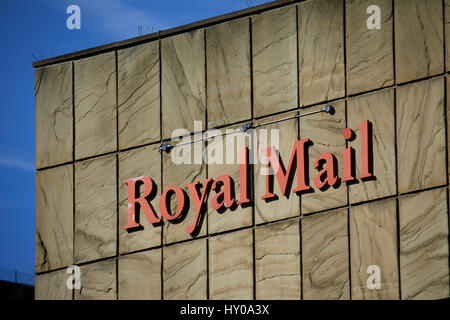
(226, 194)
(198, 200)
(366, 149)
(298, 153)
(348, 156)
(164, 205)
(149, 212)
(328, 174)
(243, 177)
(326, 165)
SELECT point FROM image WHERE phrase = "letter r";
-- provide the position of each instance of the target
(145, 205)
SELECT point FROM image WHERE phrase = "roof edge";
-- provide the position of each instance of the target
(162, 33)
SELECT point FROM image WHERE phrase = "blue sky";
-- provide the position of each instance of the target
(38, 27)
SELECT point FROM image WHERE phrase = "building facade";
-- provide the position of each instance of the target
(369, 220)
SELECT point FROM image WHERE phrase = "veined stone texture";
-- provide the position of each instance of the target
(321, 50)
(325, 256)
(54, 218)
(373, 242)
(136, 163)
(95, 209)
(424, 245)
(183, 81)
(378, 108)
(220, 151)
(54, 117)
(179, 174)
(184, 272)
(274, 41)
(447, 110)
(419, 39)
(95, 105)
(231, 266)
(52, 286)
(282, 134)
(228, 72)
(140, 276)
(370, 56)
(447, 34)
(277, 259)
(98, 281)
(421, 135)
(138, 95)
(325, 132)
